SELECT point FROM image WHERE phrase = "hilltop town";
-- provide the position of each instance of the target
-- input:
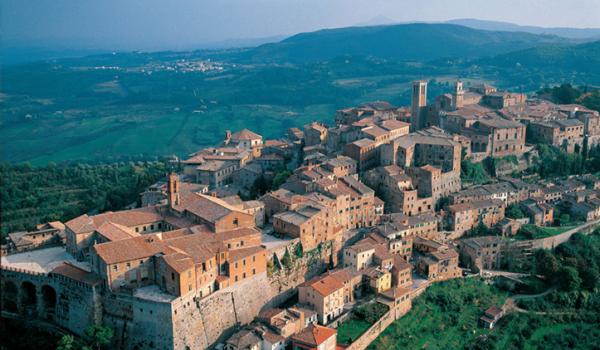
(274, 243)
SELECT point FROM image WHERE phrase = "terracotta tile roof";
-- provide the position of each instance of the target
(475, 205)
(400, 264)
(324, 285)
(245, 134)
(375, 131)
(200, 247)
(314, 335)
(115, 232)
(209, 208)
(236, 234)
(344, 275)
(239, 254)
(179, 262)
(244, 339)
(392, 124)
(360, 247)
(127, 218)
(382, 252)
(275, 143)
(272, 337)
(131, 249)
(75, 273)
(493, 312)
(396, 292)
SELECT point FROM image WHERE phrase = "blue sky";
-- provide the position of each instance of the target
(182, 24)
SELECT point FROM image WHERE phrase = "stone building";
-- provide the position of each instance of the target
(466, 216)
(436, 261)
(315, 337)
(431, 159)
(567, 134)
(398, 299)
(399, 193)
(481, 253)
(325, 294)
(418, 104)
(401, 273)
(222, 161)
(591, 128)
(245, 139)
(315, 134)
(48, 234)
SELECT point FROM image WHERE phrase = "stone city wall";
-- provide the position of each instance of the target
(373, 332)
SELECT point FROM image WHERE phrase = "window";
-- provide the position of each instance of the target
(128, 265)
(236, 222)
(116, 267)
(152, 227)
(172, 276)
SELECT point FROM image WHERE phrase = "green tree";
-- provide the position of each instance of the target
(569, 279)
(280, 178)
(287, 259)
(513, 211)
(99, 335)
(590, 277)
(565, 94)
(66, 342)
(547, 264)
(299, 251)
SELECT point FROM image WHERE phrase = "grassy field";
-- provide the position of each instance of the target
(76, 109)
(351, 329)
(360, 320)
(142, 130)
(444, 317)
(537, 232)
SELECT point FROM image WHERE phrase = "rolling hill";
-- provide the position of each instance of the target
(573, 33)
(417, 41)
(584, 58)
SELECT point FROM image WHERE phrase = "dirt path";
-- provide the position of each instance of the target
(510, 305)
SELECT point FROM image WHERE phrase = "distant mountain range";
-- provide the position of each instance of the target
(416, 41)
(572, 33)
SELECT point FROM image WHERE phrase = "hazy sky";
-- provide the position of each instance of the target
(160, 24)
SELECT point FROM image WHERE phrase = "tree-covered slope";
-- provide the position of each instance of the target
(418, 41)
(581, 58)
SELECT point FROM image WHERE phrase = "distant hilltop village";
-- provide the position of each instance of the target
(371, 206)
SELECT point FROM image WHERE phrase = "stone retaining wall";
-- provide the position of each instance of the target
(373, 332)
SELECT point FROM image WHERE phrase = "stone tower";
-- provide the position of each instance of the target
(458, 95)
(419, 101)
(173, 189)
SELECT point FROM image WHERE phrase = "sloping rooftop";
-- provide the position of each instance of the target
(314, 335)
(245, 134)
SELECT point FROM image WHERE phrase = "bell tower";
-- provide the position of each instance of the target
(173, 189)
(418, 102)
(458, 95)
